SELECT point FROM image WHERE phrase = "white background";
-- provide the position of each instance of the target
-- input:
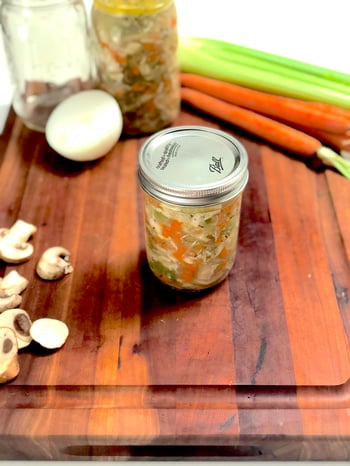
(315, 31)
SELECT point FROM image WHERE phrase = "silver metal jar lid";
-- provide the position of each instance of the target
(193, 165)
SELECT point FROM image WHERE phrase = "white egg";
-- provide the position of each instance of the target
(85, 126)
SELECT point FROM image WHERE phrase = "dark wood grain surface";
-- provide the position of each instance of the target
(257, 368)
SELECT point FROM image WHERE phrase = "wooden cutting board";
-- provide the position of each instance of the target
(257, 367)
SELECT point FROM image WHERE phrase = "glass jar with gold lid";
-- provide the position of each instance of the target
(135, 44)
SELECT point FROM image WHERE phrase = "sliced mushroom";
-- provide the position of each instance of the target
(19, 321)
(49, 333)
(9, 365)
(13, 283)
(54, 263)
(10, 302)
(14, 246)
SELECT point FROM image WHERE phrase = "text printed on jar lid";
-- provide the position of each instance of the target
(193, 165)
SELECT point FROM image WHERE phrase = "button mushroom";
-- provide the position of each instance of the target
(10, 288)
(49, 333)
(14, 246)
(9, 365)
(54, 263)
(12, 283)
(10, 302)
(19, 321)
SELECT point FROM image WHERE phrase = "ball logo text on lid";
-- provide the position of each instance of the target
(216, 165)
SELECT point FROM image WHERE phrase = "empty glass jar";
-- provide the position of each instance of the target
(48, 49)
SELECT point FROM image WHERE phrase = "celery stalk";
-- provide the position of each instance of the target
(227, 48)
(279, 69)
(212, 58)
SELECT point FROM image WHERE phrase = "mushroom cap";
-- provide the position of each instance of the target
(9, 365)
(15, 253)
(49, 333)
(14, 247)
(12, 283)
(10, 302)
(19, 321)
(54, 263)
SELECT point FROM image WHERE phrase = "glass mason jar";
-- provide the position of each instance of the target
(192, 178)
(135, 44)
(47, 44)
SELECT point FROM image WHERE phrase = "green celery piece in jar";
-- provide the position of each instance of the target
(160, 269)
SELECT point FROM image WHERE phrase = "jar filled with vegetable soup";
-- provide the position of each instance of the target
(135, 45)
(192, 179)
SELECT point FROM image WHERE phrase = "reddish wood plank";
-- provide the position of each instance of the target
(316, 330)
(260, 332)
(340, 192)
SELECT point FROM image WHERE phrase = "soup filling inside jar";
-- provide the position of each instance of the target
(191, 247)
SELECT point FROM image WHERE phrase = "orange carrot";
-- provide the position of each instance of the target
(290, 110)
(118, 58)
(328, 108)
(339, 141)
(266, 128)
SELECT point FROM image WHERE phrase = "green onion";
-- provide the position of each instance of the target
(332, 159)
(263, 71)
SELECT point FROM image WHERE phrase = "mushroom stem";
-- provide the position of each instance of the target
(13, 242)
(20, 232)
